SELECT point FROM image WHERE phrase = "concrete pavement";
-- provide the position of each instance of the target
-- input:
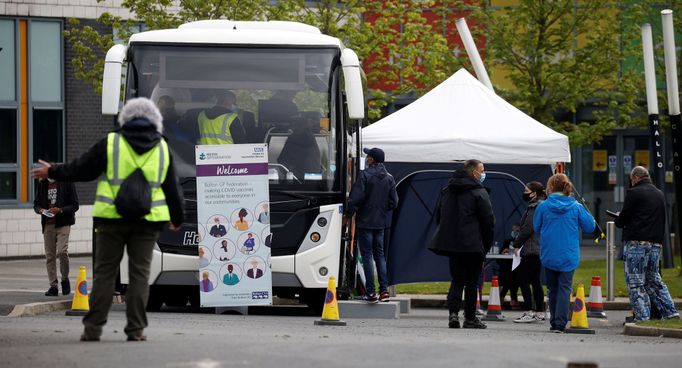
(23, 282)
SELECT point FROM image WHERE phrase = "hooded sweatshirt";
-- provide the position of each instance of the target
(465, 218)
(558, 220)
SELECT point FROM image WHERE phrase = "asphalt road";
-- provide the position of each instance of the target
(286, 338)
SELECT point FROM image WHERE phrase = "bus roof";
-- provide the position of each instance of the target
(240, 33)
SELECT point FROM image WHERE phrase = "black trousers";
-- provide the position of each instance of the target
(465, 269)
(528, 275)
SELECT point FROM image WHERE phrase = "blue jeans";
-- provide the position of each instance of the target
(644, 280)
(559, 286)
(371, 242)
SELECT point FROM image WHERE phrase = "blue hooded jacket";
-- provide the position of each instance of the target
(558, 221)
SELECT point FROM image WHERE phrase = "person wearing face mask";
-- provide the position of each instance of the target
(465, 231)
(527, 244)
(219, 124)
(56, 202)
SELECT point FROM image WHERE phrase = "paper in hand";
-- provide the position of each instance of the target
(47, 213)
(516, 260)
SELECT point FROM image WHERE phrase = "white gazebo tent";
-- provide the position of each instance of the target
(461, 119)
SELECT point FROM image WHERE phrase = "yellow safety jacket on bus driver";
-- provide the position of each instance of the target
(216, 131)
(122, 161)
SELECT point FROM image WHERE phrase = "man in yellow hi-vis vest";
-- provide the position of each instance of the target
(137, 147)
(220, 124)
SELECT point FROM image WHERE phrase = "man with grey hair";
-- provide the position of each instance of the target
(137, 195)
(643, 221)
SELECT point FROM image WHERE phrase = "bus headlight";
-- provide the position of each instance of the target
(323, 271)
(322, 222)
(315, 237)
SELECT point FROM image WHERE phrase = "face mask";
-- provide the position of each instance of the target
(50, 180)
(514, 234)
(526, 197)
(482, 178)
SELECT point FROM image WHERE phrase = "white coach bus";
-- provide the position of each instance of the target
(297, 90)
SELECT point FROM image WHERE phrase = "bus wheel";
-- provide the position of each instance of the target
(314, 298)
(155, 300)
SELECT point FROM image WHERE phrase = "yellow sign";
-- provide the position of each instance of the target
(642, 158)
(599, 160)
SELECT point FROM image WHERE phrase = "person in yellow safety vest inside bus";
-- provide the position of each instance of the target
(220, 124)
(137, 196)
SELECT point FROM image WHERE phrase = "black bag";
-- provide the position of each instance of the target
(134, 198)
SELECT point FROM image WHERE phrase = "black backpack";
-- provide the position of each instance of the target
(134, 198)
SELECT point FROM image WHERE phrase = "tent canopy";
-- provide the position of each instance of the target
(462, 119)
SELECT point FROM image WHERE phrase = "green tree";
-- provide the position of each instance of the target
(399, 47)
(562, 54)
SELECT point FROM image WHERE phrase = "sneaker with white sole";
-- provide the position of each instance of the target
(526, 318)
(540, 316)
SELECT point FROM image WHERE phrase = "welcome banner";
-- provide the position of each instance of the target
(233, 221)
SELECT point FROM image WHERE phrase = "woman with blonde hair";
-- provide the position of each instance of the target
(558, 220)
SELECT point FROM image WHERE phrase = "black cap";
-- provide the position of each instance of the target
(376, 153)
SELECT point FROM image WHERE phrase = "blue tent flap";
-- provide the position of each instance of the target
(413, 225)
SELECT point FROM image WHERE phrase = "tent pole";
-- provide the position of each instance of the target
(472, 51)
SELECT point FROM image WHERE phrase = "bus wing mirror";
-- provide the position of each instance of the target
(111, 81)
(353, 84)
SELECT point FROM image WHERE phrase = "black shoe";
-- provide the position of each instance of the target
(474, 323)
(85, 337)
(453, 321)
(137, 338)
(52, 291)
(66, 287)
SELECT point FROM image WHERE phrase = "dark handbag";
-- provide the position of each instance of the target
(134, 198)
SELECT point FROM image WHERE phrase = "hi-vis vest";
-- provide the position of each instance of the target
(216, 131)
(122, 161)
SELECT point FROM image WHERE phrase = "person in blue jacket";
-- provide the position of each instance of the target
(558, 220)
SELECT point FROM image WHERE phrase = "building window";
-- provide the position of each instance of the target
(31, 102)
(9, 161)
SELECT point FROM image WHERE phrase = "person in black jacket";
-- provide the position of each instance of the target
(140, 132)
(56, 203)
(465, 233)
(643, 221)
(371, 197)
(527, 244)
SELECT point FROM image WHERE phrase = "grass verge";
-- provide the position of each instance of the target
(584, 273)
(671, 323)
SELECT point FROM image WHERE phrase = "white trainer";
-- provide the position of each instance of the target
(526, 318)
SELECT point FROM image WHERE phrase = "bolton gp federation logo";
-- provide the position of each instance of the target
(202, 156)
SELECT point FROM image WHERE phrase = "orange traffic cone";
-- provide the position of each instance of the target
(579, 319)
(80, 305)
(330, 313)
(494, 312)
(595, 305)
